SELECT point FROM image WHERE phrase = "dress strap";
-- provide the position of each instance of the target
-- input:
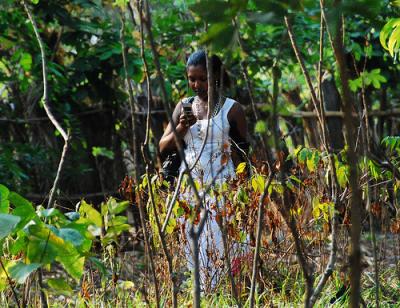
(228, 104)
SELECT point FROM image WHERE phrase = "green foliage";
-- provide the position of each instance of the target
(308, 157)
(390, 36)
(261, 127)
(7, 224)
(392, 143)
(366, 78)
(21, 271)
(86, 82)
(60, 286)
(100, 151)
(45, 236)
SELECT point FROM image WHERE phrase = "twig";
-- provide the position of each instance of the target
(195, 235)
(142, 216)
(171, 203)
(228, 263)
(334, 181)
(258, 239)
(172, 276)
(146, 20)
(250, 89)
(130, 96)
(306, 75)
(10, 283)
(51, 201)
(366, 149)
(45, 100)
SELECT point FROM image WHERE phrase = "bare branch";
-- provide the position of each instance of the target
(45, 98)
(258, 239)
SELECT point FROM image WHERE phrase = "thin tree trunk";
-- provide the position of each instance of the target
(350, 131)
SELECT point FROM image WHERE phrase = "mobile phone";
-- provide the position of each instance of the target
(187, 108)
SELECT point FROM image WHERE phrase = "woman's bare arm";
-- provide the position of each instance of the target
(238, 133)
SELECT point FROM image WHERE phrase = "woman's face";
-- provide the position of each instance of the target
(198, 82)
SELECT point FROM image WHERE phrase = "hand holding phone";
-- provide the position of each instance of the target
(187, 108)
(187, 117)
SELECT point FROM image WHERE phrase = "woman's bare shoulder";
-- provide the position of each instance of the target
(236, 112)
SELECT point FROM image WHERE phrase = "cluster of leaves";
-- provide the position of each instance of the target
(390, 34)
(33, 238)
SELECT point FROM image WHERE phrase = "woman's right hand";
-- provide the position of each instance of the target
(185, 121)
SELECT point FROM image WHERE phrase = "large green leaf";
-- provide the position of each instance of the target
(90, 214)
(21, 271)
(118, 220)
(19, 201)
(99, 265)
(3, 275)
(115, 207)
(20, 244)
(213, 10)
(60, 286)
(45, 246)
(71, 235)
(7, 224)
(4, 203)
(22, 208)
(73, 264)
(390, 35)
(219, 36)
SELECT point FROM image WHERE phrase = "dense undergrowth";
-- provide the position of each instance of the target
(86, 257)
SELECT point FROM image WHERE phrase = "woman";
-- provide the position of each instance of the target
(226, 142)
(211, 155)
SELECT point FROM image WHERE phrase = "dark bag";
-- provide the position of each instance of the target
(172, 161)
(170, 166)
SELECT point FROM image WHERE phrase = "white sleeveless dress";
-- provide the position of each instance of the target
(215, 164)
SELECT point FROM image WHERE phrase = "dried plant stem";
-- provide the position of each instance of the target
(250, 90)
(45, 101)
(260, 217)
(141, 210)
(305, 267)
(171, 203)
(367, 149)
(172, 276)
(227, 260)
(307, 76)
(321, 115)
(149, 252)
(333, 183)
(45, 98)
(130, 99)
(195, 235)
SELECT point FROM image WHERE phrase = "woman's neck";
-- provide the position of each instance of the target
(204, 100)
